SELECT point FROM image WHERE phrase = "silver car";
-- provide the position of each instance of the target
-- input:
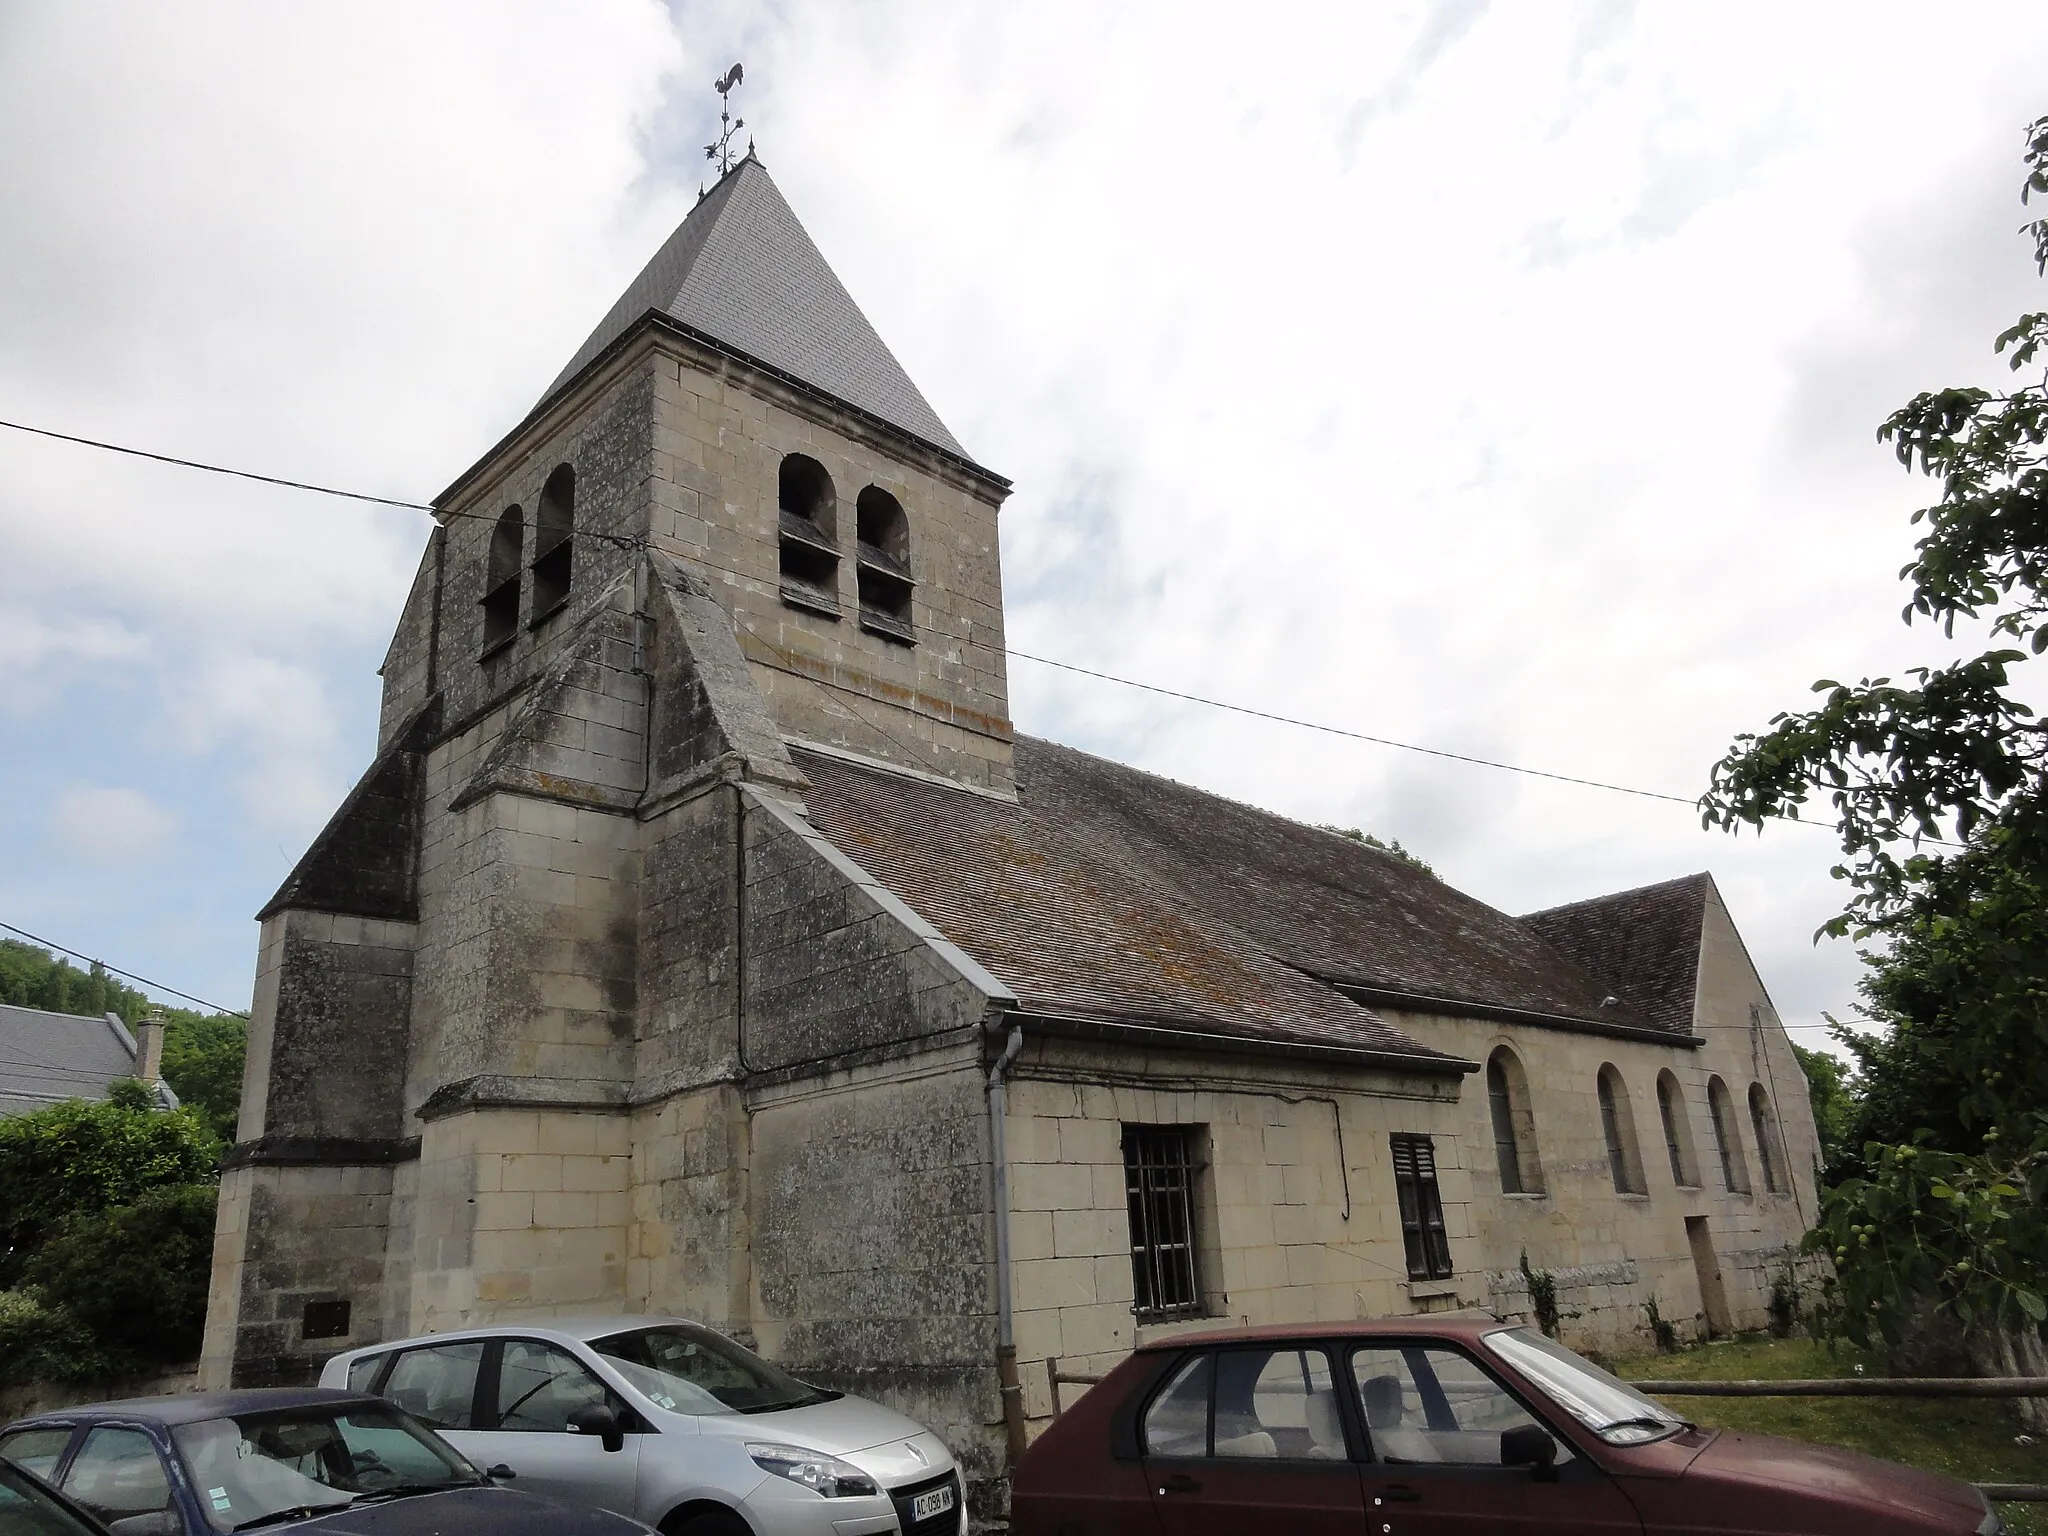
(669, 1422)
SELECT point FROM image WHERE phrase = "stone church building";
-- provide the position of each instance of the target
(702, 939)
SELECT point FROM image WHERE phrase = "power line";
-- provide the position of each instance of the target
(115, 970)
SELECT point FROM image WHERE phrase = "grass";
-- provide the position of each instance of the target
(1967, 1438)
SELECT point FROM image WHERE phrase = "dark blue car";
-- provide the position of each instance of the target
(300, 1458)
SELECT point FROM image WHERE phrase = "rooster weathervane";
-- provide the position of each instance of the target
(720, 149)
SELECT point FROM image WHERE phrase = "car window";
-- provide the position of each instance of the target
(1277, 1405)
(540, 1386)
(436, 1385)
(36, 1449)
(1430, 1403)
(1177, 1423)
(26, 1510)
(362, 1373)
(117, 1473)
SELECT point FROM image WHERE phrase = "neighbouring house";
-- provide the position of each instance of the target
(46, 1058)
(702, 939)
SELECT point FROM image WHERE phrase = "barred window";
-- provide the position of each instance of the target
(1422, 1208)
(1160, 1165)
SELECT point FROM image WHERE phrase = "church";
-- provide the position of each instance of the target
(702, 939)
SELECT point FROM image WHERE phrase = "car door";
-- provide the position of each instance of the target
(1252, 1438)
(529, 1390)
(1434, 1417)
(118, 1473)
(37, 1448)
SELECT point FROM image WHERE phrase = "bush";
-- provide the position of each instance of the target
(134, 1277)
(39, 1343)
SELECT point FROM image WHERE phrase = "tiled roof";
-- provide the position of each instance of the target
(45, 1057)
(1644, 943)
(741, 270)
(1112, 893)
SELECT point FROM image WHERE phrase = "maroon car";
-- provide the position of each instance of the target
(1435, 1427)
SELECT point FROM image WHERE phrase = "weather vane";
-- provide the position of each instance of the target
(720, 149)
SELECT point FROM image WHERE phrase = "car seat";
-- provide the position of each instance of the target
(1386, 1412)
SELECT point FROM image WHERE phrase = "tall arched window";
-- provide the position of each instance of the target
(501, 579)
(1671, 1110)
(1618, 1125)
(554, 543)
(1770, 1147)
(808, 521)
(1514, 1126)
(883, 565)
(1727, 1137)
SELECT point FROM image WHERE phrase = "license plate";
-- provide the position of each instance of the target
(927, 1506)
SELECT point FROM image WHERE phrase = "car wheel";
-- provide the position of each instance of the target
(709, 1522)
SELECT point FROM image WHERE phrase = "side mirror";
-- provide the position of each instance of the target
(157, 1522)
(1530, 1445)
(500, 1473)
(598, 1419)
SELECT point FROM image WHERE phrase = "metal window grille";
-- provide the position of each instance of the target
(1734, 1178)
(1760, 1122)
(1610, 1127)
(1159, 1183)
(1422, 1208)
(1505, 1152)
(1669, 1112)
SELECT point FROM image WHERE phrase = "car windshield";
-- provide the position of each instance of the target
(26, 1510)
(688, 1369)
(263, 1468)
(1604, 1403)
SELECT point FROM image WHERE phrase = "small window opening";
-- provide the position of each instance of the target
(1422, 1208)
(1618, 1125)
(1770, 1151)
(324, 1320)
(1685, 1168)
(807, 517)
(1514, 1126)
(884, 565)
(1160, 1165)
(501, 579)
(554, 543)
(1727, 1137)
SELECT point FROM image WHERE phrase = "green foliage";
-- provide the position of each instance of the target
(1786, 1304)
(1939, 788)
(135, 1276)
(81, 1158)
(1542, 1296)
(1662, 1332)
(1393, 847)
(202, 1051)
(43, 1343)
(1835, 1108)
(1968, 1232)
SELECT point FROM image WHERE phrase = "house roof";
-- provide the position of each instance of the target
(47, 1057)
(742, 271)
(1645, 943)
(1110, 893)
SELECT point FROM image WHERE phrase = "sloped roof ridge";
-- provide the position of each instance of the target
(742, 270)
(1702, 878)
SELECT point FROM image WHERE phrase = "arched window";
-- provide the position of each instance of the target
(1685, 1163)
(1618, 1125)
(1727, 1137)
(554, 543)
(808, 519)
(1770, 1147)
(1514, 1127)
(883, 565)
(501, 579)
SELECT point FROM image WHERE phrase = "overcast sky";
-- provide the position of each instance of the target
(1497, 378)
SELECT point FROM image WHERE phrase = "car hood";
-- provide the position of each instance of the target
(1841, 1478)
(463, 1511)
(878, 1440)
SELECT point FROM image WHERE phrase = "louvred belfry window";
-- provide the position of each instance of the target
(1159, 1183)
(1422, 1208)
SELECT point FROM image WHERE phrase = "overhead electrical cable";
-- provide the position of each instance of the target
(115, 970)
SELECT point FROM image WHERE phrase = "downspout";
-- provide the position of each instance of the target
(1006, 1333)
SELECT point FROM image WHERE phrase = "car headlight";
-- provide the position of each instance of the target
(820, 1473)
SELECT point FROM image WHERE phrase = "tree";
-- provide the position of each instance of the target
(1939, 788)
(1393, 847)
(1834, 1107)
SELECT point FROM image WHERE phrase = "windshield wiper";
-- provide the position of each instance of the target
(406, 1490)
(296, 1512)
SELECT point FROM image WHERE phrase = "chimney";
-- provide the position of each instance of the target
(149, 1048)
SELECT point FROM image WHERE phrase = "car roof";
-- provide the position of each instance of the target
(1438, 1325)
(191, 1407)
(597, 1325)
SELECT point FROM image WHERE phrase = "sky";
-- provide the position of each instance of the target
(1496, 378)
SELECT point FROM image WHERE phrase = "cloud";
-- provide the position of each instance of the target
(111, 826)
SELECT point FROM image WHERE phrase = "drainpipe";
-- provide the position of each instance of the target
(1006, 1334)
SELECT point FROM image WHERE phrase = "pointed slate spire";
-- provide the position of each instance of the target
(741, 270)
